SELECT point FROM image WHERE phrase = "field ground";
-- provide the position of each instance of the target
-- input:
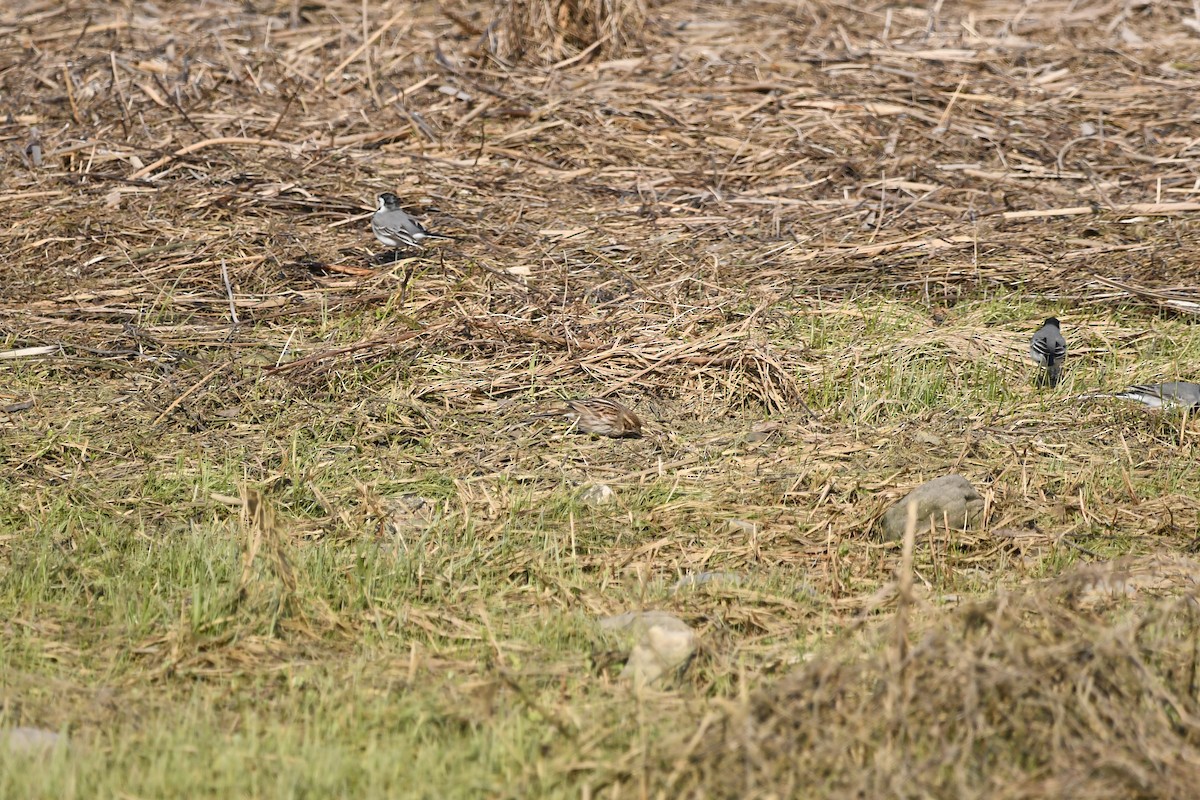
(727, 215)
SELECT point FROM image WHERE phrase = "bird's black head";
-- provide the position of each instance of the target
(388, 202)
(1052, 321)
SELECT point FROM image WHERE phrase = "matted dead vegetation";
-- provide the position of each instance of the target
(1058, 690)
(561, 32)
(755, 223)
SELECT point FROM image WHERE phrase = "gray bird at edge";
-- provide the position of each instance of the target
(1177, 394)
(1048, 348)
(395, 228)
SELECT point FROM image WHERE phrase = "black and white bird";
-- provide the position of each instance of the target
(1177, 394)
(1048, 348)
(395, 228)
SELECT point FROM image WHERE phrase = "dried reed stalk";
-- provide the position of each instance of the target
(554, 30)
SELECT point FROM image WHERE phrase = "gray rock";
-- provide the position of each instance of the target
(409, 511)
(927, 437)
(761, 431)
(660, 643)
(950, 499)
(28, 741)
(743, 526)
(598, 494)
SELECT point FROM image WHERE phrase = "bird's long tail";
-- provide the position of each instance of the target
(1053, 373)
(1145, 398)
(1050, 375)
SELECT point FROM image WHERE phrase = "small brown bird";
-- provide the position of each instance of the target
(600, 416)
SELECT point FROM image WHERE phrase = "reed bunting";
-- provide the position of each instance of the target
(600, 416)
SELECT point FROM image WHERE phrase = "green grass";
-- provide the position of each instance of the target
(457, 656)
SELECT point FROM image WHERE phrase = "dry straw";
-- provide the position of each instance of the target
(666, 217)
(569, 31)
(1058, 690)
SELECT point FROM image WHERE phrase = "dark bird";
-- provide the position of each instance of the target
(1048, 348)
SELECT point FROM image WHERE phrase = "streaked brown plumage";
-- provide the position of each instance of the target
(600, 416)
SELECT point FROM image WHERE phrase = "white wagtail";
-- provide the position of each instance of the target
(392, 226)
(1178, 394)
(1048, 348)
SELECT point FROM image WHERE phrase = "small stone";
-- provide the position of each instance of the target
(660, 643)
(761, 431)
(409, 512)
(927, 437)
(697, 579)
(948, 500)
(598, 494)
(743, 526)
(28, 741)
